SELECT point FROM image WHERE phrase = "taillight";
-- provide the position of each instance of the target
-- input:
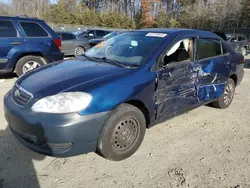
(244, 60)
(58, 43)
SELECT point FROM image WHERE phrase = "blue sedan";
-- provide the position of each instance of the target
(105, 100)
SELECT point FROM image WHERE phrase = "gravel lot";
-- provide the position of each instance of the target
(206, 147)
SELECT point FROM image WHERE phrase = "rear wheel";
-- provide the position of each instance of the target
(122, 134)
(79, 51)
(28, 63)
(226, 99)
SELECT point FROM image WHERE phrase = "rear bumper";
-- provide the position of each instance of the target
(240, 73)
(60, 135)
(55, 56)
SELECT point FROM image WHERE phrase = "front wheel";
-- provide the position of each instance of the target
(226, 99)
(122, 134)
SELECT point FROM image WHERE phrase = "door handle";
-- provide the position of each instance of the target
(16, 43)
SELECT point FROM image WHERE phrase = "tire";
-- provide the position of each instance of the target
(79, 51)
(229, 91)
(22, 64)
(122, 133)
(244, 51)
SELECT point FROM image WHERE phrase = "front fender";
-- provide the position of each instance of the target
(139, 86)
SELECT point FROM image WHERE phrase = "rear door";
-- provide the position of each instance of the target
(214, 69)
(176, 80)
(9, 39)
(37, 37)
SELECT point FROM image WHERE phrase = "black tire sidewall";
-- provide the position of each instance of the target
(21, 62)
(105, 147)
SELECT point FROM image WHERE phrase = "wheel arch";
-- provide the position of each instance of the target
(235, 78)
(38, 54)
(139, 104)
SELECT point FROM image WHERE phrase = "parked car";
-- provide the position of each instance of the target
(26, 44)
(72, 45)
(220, 33)
(104, 100)
(94, 42)
(91, 33)
(240, 42)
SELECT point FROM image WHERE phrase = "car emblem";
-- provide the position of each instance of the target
(17, 93)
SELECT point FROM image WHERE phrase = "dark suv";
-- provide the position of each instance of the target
(27, 43)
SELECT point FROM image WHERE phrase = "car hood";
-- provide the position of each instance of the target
(61, 76)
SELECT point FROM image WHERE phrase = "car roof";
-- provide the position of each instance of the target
(19, 18)
(64, 32)
(200, 33)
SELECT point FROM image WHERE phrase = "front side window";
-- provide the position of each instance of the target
(181, 51)
(90, 34)
(7, 29)
(100, 33)
(127, 48)
(32, 29)
(207, 48)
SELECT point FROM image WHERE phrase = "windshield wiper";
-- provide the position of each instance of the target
(110, 61)
(89, 58)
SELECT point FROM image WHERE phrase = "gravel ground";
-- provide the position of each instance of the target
(206, 147)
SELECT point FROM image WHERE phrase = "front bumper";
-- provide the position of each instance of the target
(54, 134)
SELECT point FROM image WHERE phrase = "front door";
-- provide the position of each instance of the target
(176, 80)
(214, 69)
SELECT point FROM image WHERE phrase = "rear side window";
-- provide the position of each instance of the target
(7, 29)
(32, 29)
(67, 36)
(207, 48)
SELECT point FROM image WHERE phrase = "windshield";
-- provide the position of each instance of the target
(228, 37)
(127, 48)
(80, 33)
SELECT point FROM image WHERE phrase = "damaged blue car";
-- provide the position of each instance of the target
(105, 100)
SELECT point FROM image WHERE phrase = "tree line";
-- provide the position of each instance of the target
(198, 14)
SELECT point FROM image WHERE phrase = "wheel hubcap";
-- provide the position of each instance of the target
(79, 51)
(30, 65)
(125, 134)
(228, 94)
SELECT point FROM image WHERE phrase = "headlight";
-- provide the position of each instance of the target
(63, 103)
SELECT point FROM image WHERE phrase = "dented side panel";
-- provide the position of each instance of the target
(176, 89)
(212, 77)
